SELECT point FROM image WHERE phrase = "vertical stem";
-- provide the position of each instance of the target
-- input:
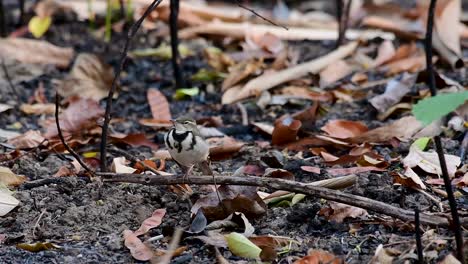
(122, 9)
(417, 230)
(179, 82)
(440, 151)
(2, 20)
(108, 26)
(21, 10)
(339, 16)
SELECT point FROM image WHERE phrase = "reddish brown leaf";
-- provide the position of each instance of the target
(223, 147)
(319, 257)
(338, 212)
(138, 250)
(279, 174)
(80, 115)
(134, 140)
(243, 199)
(334, 72)
(409, 179)
(154, 221)
(344, 128)
(286, 129)
(30, 139)
(159, 105)
(311, 169)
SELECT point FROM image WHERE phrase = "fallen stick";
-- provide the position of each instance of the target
(268, 81)
(280, 184)
(239, 30)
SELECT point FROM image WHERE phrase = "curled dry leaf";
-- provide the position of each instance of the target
(137, 248)
(311, 169)
(285, 131)
(9, 178)
(159, 105)
(447, 16)
(90, 77)
(74, 120)
(338, 212)
(385, 52)
(334, 72)
(403, 129)
(35, 51)
(395, 90)
(243, 199)
(344, 129)
(409, 179)
(319, 256)
(119, 165)
(429, 161)
(154, 221)
(38, 109)
(30, 139)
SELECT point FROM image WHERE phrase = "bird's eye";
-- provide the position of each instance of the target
(186, 122)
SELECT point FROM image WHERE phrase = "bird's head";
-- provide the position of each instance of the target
(185, 124)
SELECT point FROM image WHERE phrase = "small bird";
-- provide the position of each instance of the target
(187, 146)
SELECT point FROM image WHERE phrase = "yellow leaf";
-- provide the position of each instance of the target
(241, 246)
(39, 25)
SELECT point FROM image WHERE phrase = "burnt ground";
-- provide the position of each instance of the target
(86, 219)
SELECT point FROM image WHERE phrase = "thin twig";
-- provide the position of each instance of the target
(37, 222)
(107, 117)
(243, 111)
(2, 20)
(439, 149)
(280, 184)
(10, 82)
(62, 139)
(175, 58)
(339, 18)
(166, 259)
(21, 14)
(417, 228)
(260, 16)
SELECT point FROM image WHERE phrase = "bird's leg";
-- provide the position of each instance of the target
(206, 169)
(188, 171)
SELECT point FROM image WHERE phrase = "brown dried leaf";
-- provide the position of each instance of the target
(265, 41)
(90, 77)
(344, 128)
(409, 179)
(311, 169)
(137, 248)
(334, 72)
(243, 199)
(412, 64)
(385, 52)
(223, 147)
(286, 129)
(338, 212)
(353, 170)
(38, 109)
(35, 51)
(319, 257)
(134, 140)
(447, 23)
(402, 129)
(74, 119)
(154, 221)
(159, 105)
(240, 72)
(9, 178)
(30, 139)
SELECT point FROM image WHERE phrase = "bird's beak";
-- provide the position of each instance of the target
(173, 121)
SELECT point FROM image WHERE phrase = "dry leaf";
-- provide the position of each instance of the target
(137, 248)
(286, 129)
(266, 41)
(334, 72)
(7, 201)
(402, 129)
(30, 139)
(447, 23)
(344, 129)
(385, 53)
(35, 51)
(38, 109)
(319, 257)
(240, 72)
(135, 140)
(159, 105)
(119, 165)
(90, 77)
(267, 81)
(383, 256)
(74, 120)
(395, 90)
(8, 178)
(223, 147)
(409, 179)
(338, 212)
(311, 169)
(154, 221)
(412, 64)
(429, 161)
(353, 170)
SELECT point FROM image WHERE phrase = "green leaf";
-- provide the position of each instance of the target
(421, 143)
(163, 51)
(38, 26)
(433, 108)
(297, 198)
(241, 246)
(204, 75)
(184, 92)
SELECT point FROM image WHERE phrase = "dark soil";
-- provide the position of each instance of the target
(86, 218)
